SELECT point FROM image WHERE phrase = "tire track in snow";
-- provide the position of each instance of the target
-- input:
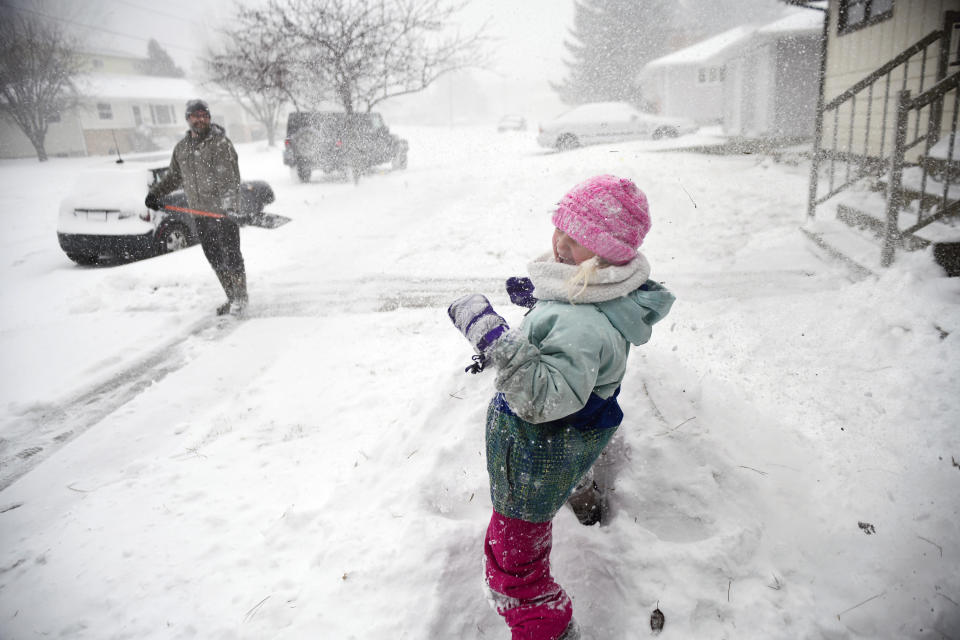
(39, 432)
(371, 294)
(745, 285)
(42, 430)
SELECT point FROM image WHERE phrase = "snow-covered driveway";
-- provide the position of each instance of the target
(317, 469)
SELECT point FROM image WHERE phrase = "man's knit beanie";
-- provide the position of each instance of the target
(196, 105)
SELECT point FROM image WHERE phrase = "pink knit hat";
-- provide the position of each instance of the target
(607, 215)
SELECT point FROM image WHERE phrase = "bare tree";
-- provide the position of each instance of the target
(255, 66)
(38, 63)
(366, 51)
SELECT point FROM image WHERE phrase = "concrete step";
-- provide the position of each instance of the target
(945, 237)
(859, 249)
(859, 252)
(875, 226)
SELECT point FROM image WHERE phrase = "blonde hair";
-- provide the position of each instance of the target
(580, 280)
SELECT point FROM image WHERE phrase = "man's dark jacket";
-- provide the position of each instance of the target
(207, 170)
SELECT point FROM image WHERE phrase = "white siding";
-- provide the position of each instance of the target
(64, 138)
(771, 87)
(765, 81)
(794, 96)
(855, 55)
(685, 96)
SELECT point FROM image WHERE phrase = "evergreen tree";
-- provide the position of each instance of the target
(611, 41)
(159, 62)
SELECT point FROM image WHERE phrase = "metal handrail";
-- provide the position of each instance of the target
(875, 159)
(936, 92)
(891, 233)
(869, 169)
(934, 98)
(883, 70)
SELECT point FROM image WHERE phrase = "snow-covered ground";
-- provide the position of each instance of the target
(317, 471)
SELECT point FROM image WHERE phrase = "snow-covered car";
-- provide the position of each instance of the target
(105, 217)
(512, 123)
(599, 122)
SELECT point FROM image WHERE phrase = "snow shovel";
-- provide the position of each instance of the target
(262, 219)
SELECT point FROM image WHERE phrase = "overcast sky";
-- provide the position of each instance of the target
(528, 33)
(525, 54)
(526, 50)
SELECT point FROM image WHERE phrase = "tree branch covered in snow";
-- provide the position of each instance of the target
(254, 65)
(38, 64)
(362, 52)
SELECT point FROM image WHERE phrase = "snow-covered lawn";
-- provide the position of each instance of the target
(317, 471)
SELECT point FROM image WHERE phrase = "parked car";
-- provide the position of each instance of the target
(599, 122)
(334, 141)
(512, 123)
(104, 216)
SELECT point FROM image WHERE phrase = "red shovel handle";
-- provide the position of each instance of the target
(196, 212)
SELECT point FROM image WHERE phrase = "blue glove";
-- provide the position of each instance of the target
(476, 319)
(520, 291)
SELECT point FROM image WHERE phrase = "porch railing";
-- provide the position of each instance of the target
(931, 179)
(851, 151)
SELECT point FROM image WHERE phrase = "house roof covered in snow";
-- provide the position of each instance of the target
(800, 21)
(704, 50)
(118, 86)
(806, 21)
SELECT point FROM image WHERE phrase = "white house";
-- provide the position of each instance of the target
(689, 82)
(772, 79)
(120, 108)
(138, 113)
(891, 89)
(141, 113)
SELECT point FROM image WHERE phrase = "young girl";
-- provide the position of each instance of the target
(558, 377)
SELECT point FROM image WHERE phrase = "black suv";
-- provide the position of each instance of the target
(336, 141)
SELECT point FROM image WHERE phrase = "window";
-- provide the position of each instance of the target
(137, 118)
(855, 14)
(711, 74)
(161, 114)
(97, 63)
(105, 111)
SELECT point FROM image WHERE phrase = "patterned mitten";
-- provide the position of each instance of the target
(476, 319)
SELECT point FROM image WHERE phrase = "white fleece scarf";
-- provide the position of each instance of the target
(550, 279)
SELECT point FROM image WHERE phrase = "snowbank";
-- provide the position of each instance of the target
(790, 446)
